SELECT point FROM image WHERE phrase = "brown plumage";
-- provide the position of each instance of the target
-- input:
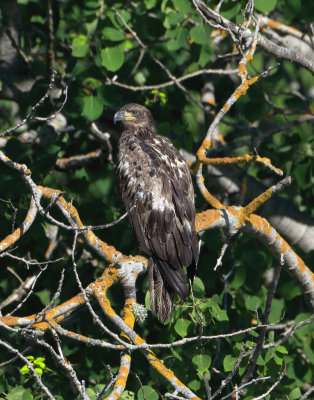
(156, 188)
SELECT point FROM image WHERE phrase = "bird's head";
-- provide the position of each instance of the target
(134, 115)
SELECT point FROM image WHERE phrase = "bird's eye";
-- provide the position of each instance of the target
(134, 112)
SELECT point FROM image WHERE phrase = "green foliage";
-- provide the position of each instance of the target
(92, 107)
(93, 47)
(265, 6)
(202, 362)
(147, 393)
(112, 58)
(19, 393)
(80, 46)
(39, 366)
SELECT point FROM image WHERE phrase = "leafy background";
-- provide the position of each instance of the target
(92, 48)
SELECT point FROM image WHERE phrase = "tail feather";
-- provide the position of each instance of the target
(164, 283)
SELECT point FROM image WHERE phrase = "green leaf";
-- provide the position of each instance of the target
(147, 393)
(127, 395)
(290, 290)
(252, 302)
(198, 288)
(179, 41)
(40, 361)
(218, 313)
(92, 107)
(24, 370)
(182, 5)
(229, 362)
(91, 27)
(112, 58)
(150, 3)
(278, 360)
(194, 384)
(260, 360)
(282, 349)
(91, 394)
(200, 34)
(265, 6)
(44, 296)
(239, 278)
(309, 352)
(205, 56)
(4, 386)
(112, 34)
(181, 327)
(202, 362)
(80, 47)
(39, 371)
(140, 78)
(302, 175)
(295, 394)
(19, 393)
(276, 310)
(92, 83)
(231, 9)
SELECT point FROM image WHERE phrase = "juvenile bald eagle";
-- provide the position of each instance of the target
(156, 188)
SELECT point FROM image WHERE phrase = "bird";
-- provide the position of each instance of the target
(156, 188)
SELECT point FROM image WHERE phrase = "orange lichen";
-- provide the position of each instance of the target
(206, 143)
(242, 69)
(267, 229)
(255, 221)
(225, 107)
(277, 25)
(205, 219)
(212, 200)
(9, 320)
(128, 316)
(302, 267)
(200, 154)
(109, 251)
(258, 201)
(252, 80)
(284, 247)
(138, 340)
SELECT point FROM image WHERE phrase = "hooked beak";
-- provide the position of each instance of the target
(119, 116)
(122, 116)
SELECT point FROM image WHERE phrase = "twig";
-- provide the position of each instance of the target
(269, 46)
(51, 38)
(272, 387)
(158, 62)
(227, 380)
(5, 363)
(289, 333)
(307, 393)
(49, 306)
(95, 317)
(245, 385)
(222, 253)
(171, 82)
(31, 289)
(259, 345)
(35, 107)
(15, 211)
(51, 116)
(30, 367)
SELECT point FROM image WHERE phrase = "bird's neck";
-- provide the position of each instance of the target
(145, 132)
